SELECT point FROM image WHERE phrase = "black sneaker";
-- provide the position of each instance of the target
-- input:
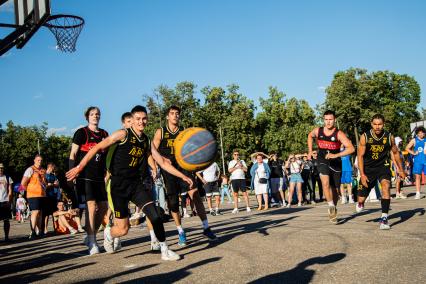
(32, 236)
(209, 234)
(212, 213)
(218, 212)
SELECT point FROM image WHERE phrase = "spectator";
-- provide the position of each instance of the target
(5, 201)
(224, 189)
(277, 178)
(34, 182)
(416, 147)
(315, 177)
(210, 179)
(346, 179)
(237, 168)
(21, 207)
(52, 191)
(398, 182)
(295, 179)
(66, 221)
(307, 182)
(260, 173)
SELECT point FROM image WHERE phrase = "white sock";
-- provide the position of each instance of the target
(185, 211)
(205, 224)
(153, 236)
(163, 246)
(180, 230)
(330, 203)
(217, 209)
(385, 215)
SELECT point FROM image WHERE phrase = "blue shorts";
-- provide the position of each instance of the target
(296, 178)
(418, 168)
(346, 177)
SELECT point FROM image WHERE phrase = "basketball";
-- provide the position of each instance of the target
(195, 149)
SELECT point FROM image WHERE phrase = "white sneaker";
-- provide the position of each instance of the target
(168, 254)
(351, 200)
(359, 208)
(108, 240)
(93, 249)
(288, 205)
(417, 195)
(235, 211)
(344, 200)
(117, 244)
(299, 204)
(402, 196)
(72, 231)
(248, 209)
(155, 246)
(80, 230)
(283, 204)
(186, 215)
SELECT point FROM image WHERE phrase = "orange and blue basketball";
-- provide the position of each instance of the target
(195, 149)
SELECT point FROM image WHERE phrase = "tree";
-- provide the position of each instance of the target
(356, 96)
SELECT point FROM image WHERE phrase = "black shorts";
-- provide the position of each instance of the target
(238, 184)
(49, 206)
(212, 188)
(89, 190)
(333, 174)
(36, 203)
(4, 211)
(374, 176)
(174, 185)
(124, 190)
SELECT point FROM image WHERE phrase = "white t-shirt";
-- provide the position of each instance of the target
(238, 173)
(29, 172)
(295, 167)
(4, 189)
(21, 204)
(210, 174)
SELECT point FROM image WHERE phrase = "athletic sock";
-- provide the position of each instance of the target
(384, 215)
(205, 224)
(217, 209)
(163, 246)
(153, 236)
(330, 203)
(385, 205)
(180, 230)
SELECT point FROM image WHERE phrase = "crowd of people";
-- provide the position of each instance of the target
(110, 172)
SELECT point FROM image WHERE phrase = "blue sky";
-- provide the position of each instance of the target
(128, 48)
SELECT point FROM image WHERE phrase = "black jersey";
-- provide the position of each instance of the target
(129, 158)
(166, 147)
(276, 168)
(377, 150)
(87, 139)
(329, 144)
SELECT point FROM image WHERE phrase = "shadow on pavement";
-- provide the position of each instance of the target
(354, 215)
(301, 273)
(402, 215)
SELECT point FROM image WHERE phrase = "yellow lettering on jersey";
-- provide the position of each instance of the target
(377, 148)
(170, 143)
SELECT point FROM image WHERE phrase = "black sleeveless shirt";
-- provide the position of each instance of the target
(377, 150)
(130, 157)
(329, 144)
(166, 147)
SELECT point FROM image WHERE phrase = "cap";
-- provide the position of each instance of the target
(398, 140)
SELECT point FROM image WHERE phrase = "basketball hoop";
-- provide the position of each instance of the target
(66, 29)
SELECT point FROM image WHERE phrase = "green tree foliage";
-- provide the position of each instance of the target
(357, 95)
(19, 145)
(284, 124)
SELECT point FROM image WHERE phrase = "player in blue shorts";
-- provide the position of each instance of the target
(416, 147)
(346, 179)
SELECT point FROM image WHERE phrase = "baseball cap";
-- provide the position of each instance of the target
(398, 140)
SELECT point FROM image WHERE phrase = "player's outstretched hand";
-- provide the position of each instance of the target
(73, 173)
(188, 181)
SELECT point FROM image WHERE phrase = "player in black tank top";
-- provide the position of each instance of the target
(374, 165)
(329, 140)
(163, 141)
(131, 154)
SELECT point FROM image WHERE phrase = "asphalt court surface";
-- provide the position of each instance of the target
(296, 245)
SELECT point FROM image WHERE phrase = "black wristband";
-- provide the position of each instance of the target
(71, 164)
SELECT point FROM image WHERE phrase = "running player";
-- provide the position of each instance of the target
(129, 178)
(90, 183)
(163, 141)
(374, 151)
(416, 147)
(329, 140)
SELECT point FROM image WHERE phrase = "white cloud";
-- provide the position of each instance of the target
(75, 129)
(7, 7)
(52, 131)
